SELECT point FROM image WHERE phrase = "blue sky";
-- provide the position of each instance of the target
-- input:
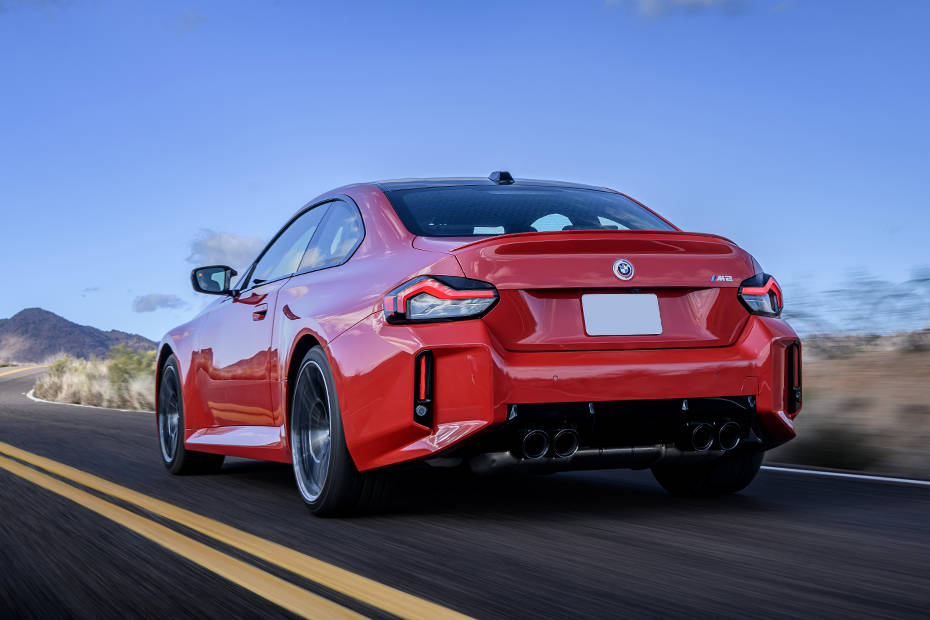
(139, 137)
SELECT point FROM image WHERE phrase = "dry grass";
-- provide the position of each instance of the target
(867, 411)
(123, 381)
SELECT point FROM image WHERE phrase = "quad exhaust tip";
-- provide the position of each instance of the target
(728, 435)
(535, 444)
(565, 443)
(702, 437)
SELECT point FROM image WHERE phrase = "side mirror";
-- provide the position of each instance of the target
(212, 280)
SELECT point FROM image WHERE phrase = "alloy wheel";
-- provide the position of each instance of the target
(311, 431)
(169, 414)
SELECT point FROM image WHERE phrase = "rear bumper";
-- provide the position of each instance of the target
(476, 381)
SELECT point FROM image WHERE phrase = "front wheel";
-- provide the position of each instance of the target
(730, 473)
(327, 479)
(170, 422)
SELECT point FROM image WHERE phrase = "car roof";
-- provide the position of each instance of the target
(387, 186)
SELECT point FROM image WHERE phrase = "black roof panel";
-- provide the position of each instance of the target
(387, 186)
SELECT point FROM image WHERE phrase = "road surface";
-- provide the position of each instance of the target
(92, 526)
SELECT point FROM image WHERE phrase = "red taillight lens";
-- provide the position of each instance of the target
(423, 388)
(761, 295)
(438, 298)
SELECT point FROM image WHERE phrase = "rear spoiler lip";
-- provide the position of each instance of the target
(582, 233)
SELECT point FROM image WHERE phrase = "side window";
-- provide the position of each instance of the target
(283, 257)
(338, 238)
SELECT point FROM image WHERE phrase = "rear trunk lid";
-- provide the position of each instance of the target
(545, 282)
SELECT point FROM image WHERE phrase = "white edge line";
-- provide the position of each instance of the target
(837, 474)
(31, 396)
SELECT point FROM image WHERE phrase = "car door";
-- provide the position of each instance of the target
(321, 296)
(236, 341)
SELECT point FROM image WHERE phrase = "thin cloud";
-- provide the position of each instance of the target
(659, 8)
(189, 20)
(157, 301)
(218, 248)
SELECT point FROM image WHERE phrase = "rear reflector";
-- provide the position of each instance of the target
(793, 378)
(423, 388)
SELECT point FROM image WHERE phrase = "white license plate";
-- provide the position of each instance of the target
(621, 315)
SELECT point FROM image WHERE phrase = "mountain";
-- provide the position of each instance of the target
(34, 335)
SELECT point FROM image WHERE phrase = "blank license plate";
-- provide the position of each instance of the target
(621, 315)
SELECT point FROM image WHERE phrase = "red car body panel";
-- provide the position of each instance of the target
(235, 357)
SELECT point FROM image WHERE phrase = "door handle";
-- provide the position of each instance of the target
(259, 313)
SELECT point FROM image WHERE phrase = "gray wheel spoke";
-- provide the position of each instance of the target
(311, 431)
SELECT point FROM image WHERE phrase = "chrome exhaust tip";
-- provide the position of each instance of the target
(535, 444)
(702, 437)
(728, 435)
(565, 443)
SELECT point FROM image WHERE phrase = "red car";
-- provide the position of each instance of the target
(495, 324)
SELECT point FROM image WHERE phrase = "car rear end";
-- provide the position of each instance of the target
(607, 339)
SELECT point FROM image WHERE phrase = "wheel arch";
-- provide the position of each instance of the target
(164, 352)
(302, 346)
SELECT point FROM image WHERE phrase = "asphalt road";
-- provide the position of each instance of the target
(603, 544)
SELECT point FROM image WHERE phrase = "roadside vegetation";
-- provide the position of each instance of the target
(124, 380)
(866, 405)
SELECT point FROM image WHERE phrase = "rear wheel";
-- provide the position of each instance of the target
(327, 479)
(170, 422)
(730, 473)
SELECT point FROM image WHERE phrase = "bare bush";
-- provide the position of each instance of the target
(863, 304)
(123, 381)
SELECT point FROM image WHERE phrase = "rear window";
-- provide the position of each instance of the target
(478, 210)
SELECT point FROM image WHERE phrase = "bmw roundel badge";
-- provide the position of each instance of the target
(623, 269)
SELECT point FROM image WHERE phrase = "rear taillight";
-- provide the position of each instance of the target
(438, 298)
(761, 295)
(423, 388)
(793, 378)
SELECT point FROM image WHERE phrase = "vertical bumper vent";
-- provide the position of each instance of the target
(793, 378)
(423, 388)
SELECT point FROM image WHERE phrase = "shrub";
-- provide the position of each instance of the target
(125, 380)
(125, 366)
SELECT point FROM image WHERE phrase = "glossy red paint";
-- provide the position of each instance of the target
(236, 356)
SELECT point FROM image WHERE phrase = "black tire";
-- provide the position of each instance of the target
(169, 424)
(327, 479)
(730, 473)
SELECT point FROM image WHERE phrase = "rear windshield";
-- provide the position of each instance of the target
(478, 210)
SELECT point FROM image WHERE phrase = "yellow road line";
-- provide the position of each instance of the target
(10, 372)
(337, 579)
(280, 592)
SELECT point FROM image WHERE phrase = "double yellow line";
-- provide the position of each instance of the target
(10, 372)
(279, 591)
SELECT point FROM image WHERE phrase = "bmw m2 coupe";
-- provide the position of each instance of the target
(494, 324)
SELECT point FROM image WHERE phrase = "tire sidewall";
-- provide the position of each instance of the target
(173, 465)
(339, 460)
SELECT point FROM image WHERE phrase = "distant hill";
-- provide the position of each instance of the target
(34, 334)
